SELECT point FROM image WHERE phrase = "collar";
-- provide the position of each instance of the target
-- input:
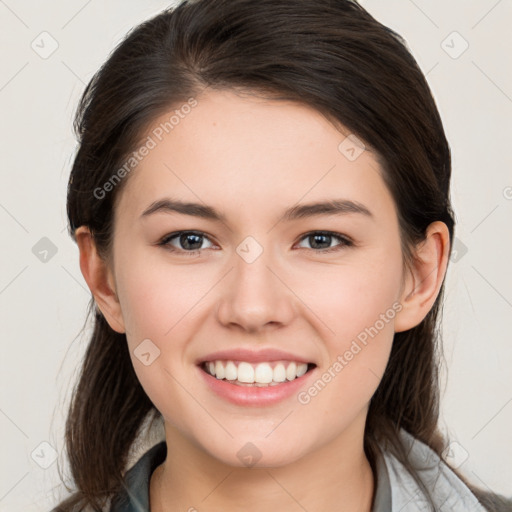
(396, 489)
(134, 496)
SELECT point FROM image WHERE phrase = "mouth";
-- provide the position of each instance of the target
(262, 374)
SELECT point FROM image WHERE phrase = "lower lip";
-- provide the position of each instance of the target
(254, 395)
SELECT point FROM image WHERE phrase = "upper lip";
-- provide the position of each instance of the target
(253, 356)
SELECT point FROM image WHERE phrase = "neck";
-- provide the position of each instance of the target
(336, 477)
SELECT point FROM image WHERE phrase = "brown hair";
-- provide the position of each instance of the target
(329, 54)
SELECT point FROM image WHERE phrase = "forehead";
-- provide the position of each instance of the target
(233, 150)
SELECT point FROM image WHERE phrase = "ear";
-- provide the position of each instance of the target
(99, 278)
(425, 277)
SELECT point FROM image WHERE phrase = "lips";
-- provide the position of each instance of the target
(251, 356)
(255, 394)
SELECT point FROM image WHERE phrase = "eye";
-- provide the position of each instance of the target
(187, 240)
(190, 242)
(325, 238)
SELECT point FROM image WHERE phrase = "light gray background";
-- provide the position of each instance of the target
(42, 303)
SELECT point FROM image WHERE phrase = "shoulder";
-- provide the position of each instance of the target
(446, 489)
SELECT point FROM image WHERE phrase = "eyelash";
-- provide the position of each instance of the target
(345, 241)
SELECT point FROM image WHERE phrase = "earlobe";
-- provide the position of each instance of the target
(425, 277)
(99, 279)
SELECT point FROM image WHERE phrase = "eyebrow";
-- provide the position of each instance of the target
(301, 211)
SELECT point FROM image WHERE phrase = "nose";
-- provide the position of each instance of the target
(255, 296)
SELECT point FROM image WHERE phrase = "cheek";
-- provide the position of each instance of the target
(156, 295)
(144, 305)
(356, 306)
(351, 298)
(157, 302)
(164, 303)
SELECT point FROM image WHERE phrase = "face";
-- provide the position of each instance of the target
(314, 286)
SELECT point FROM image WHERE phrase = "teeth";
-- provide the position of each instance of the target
(245, 373)
(279, 373)
(291, 371)
(231, 372)
(261, 374)
(301, 370)
(219, 370)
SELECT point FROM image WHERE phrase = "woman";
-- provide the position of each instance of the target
(287, 373)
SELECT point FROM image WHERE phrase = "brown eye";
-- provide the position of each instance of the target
(189, 242)
(320, 241)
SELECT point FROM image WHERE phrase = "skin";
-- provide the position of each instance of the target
(251, 159)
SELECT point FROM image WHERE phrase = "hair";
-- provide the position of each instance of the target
(331, 55)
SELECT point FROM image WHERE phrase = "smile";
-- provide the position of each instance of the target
(263, 374)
